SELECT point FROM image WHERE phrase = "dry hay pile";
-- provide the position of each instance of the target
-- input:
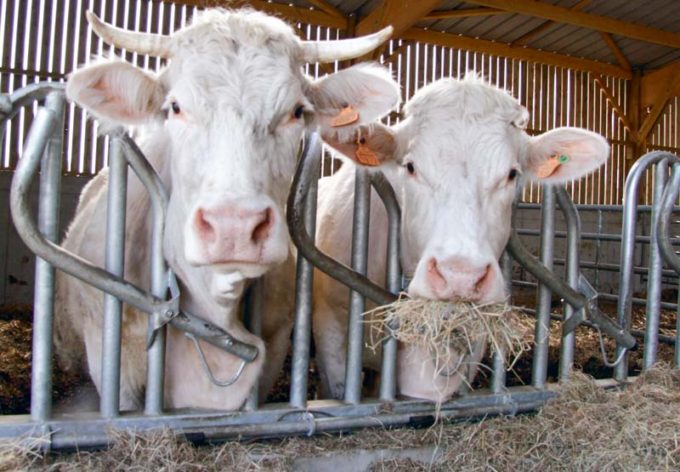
(586, 428)
(15, 363)
(447, 329)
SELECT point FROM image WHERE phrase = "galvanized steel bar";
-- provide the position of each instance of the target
(630, 196)
(655, 268)
(155, 356)
(302, 330)
(306, 247)
(254, 304)
(49, 129)
(573, 222)
(357, 303)
(115, 264)
(539, 370)
(498, 379)
(670, 195)
(388, 370)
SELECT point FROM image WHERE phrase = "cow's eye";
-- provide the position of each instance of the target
(174, 106)
(410, 168)
(512, 175)
(299, 111)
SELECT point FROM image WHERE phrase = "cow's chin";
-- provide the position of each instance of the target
(226, 282)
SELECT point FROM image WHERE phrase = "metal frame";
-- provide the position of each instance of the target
(300, 416)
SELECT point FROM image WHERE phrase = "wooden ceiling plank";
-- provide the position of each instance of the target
(462, 13)
(328, 8)
(401, 14)
(585, 20)
(505, 50)
(290, 13)
(529, 35)
(599, 80)
(620, 56)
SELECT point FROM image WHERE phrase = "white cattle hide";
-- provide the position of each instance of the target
(454, 162)
(221, 124)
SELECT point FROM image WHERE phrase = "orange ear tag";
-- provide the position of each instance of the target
(365, 154)
(347, 116)
(550, 166)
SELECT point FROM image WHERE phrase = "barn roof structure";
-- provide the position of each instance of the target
(637, 40)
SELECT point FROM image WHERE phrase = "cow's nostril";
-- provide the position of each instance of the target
(261, 231)
(205, 230)
(486, 277)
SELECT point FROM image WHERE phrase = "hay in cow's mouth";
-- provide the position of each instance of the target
(449, 329)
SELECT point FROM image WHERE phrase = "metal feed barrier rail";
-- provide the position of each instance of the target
(300, 416)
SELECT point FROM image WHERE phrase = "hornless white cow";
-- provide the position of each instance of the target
(454, 162)
(221, 124)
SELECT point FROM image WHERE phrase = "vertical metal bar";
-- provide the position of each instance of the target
(499, 374)
(572, 274)
(539, 369)
(253, 320)
(654, 275)
(302, 330)
(155, 374)
(115, 263)
(48, 223)
(355, 328)
(388, 370)
(626, 264)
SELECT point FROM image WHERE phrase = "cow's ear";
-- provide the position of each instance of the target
(371, 145)
(116, 92)
(351, 98)
(564, 154)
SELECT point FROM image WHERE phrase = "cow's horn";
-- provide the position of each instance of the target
(341, 49)
(142, 43)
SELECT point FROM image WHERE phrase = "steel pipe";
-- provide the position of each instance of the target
(624, 304)
(357, 303)
(573, 271)
(655, 272)
(115, 263)
(302, 329)
(388, 370)
(49, 137)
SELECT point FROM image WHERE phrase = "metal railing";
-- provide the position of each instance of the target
(300, 416)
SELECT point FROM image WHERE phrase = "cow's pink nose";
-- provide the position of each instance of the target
(229, 233)
(458, 279)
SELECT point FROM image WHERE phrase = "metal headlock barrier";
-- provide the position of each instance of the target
(300, 416)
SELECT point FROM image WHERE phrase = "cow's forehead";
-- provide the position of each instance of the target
(214, 31)
(470, 99)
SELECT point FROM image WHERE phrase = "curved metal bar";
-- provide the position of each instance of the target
(573, 271)
(12, 103)
(670, 194)
(388, 370)
(78, 267)
(630, 204)
(295, 216)
(518, 251)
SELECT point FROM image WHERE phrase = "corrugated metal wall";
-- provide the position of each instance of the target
(46, 39)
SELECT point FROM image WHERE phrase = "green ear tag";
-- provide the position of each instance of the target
(563, 159)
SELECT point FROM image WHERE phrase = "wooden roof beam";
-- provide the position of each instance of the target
(462, 13)
(655, 82)
(287, 12)
(505, 50)
(401, 14)
(584, 20)
(620, 56)
(328, 8)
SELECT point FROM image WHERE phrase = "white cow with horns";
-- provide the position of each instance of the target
(455, 162)
(222, 125)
